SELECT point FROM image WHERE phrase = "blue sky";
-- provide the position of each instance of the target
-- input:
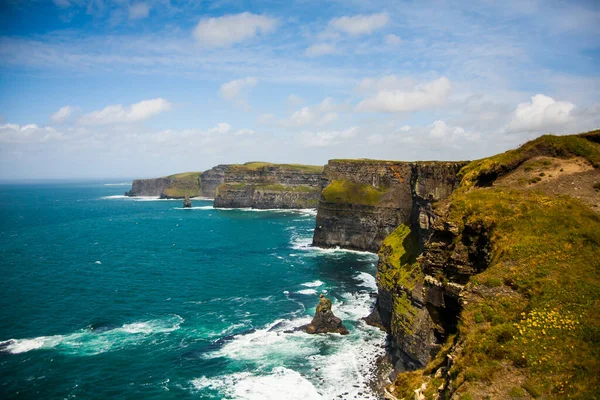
(148, 88)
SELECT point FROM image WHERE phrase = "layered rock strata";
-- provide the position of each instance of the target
(265, 186)
(363, 201)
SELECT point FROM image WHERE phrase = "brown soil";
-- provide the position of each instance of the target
(574, 177)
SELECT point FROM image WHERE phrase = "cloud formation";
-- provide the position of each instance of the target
(320, 49)
(360, 24)
(327, 138)
(542, 112)
(117, 113)
(235, 91)
(231, 29)
(62, 114)
(421, 97)
(13, 133)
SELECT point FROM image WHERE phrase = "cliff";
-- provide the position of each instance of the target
(211, 179)
(503, 300)
(172, 186)
(363, 201)
(264, 185)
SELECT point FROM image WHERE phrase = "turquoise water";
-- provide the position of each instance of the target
(103, 296)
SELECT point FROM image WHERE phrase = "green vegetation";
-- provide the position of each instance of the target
(182, 184)
(482, 172)
(261, 166)
(342, 191)
(397, 254)
(536, 312)
(547, 253)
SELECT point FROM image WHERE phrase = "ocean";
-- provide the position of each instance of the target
(107, 297)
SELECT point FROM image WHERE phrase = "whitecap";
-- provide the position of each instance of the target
(118, 184)
(90, 342)
(367, 280)
(307, 291)
(316, 283)
(304, 243)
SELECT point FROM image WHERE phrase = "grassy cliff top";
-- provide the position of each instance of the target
(342, 191)
(371, 161)
(260, 165)
(530, 326)
(185, 175)
(483, 172)
(182, 184)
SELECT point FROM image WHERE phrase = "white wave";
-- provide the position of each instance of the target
(304, 211)
(336, 364)
(307, 291)
(316, 283)
(89, 342)
(305, 244)
(98, 262)
(194, 208)
(118, 184)
(367, 280)
(137, 198)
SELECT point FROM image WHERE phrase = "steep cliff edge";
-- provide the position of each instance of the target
(264, 185)
(363, 201)
(504, 299)
(211, 179)
(173, 186)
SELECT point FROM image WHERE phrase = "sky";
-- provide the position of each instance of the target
(134, 89)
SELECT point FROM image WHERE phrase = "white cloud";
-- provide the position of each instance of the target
(242, 132)
(360, 24)
(319, 114)
(233, 89)
(388, 82)
(327, 138)
(265, 119)
(421, 97)
(541, 113)
(294, 100)
(139, 11)
(119, 114)
(230, 29)
(222, 127)
(62, 114)
(392, 40)
(321, 49)
(13, 133)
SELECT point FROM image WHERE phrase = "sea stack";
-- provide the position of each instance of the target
(187, 203)
(324, 321)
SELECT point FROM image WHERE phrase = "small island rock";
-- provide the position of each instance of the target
(324, 321)
(187, 203)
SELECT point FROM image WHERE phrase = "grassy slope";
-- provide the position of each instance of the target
(341, 191)
(533, 327)
(258, 165)
(182, 184)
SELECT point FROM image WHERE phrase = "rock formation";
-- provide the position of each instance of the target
(168, 187)
(211, 179)
(264, 186)
(187, 203)
(324, 321)
(363, 201)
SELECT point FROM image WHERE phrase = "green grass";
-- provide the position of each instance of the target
(546, 252)
(481, 172)
(342, 191)
(261, 165)
(182, 184)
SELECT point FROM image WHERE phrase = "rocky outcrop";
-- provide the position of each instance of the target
(419, 297)
(363, 201)
(265, 186)
(187, 203)
(324, 321)
(148, 187)
(169, 187)
(213, 178)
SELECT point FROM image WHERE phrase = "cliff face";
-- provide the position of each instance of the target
(264, 186)
(365, 200)
(172, 186)
(212, 179)
(508, 278)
